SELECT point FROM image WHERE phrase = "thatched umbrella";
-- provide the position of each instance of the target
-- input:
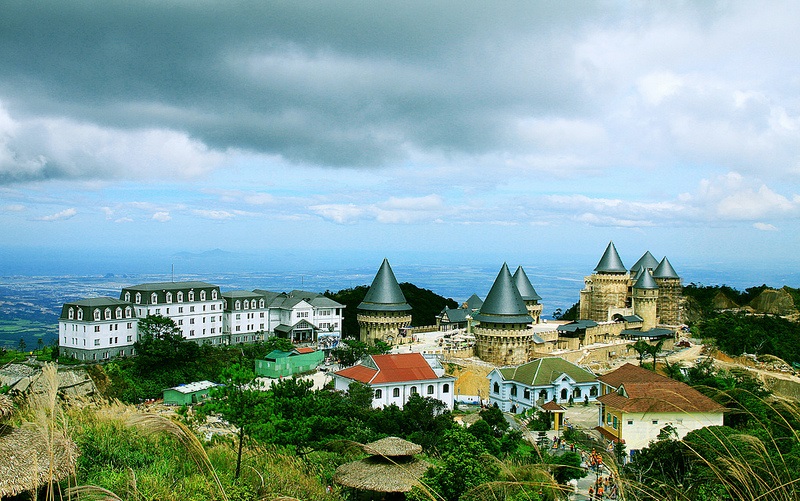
(391, 468)
(27, 462)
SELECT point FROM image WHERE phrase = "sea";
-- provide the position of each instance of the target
(34, 287)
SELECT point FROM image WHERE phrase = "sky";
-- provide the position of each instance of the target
(416, 130)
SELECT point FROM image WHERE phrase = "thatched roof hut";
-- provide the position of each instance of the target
(391, 468)
(25, 460)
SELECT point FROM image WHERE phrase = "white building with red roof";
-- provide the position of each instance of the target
(395, 377)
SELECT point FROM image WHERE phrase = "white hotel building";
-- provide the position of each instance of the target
(102, 328)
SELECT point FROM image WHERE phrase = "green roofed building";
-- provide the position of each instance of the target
(531, 385)
(384, 310)
(288, 363)
(188, 394)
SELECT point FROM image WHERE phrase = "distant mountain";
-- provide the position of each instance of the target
(209, 254)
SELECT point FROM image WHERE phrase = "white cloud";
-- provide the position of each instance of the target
(339, 213)
(14, 208)
(123, 220)
(60, 216)
(738, 198)
(764, 227)
(162, 216)
(213, 214)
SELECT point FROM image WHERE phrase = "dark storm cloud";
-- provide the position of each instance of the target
(333, 83)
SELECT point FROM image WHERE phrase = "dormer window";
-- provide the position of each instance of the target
(107, 314)
(238, 305)
(246, 304)
(71, 314)
(191, 295)
(261, 303)
(128, 312)
(97, 314)
(154, 298)
(214, 295)
(202, 295)
(180, 297)
(128, 297)
(80, 314)
(138, 298)
(169, 297)
(118, 312)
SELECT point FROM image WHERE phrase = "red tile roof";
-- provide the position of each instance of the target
(663, 396)
(304, 350)
(552, 406)
(630, 373)
(396, 368)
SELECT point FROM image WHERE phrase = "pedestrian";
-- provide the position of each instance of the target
(591, 492)
(600, 492)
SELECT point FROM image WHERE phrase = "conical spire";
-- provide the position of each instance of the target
(524, 286)
(645, 281)
(644, 262)
(504, 304)
(610, 262)
(384, 294)
(665, 270)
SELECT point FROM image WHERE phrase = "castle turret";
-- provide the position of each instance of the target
(503, 336)
(645, 299)
(647, 261)
(528, 294)
(670, 293)
(384, 310)
(606, 290)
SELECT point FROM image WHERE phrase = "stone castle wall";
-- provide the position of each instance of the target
(384, 326)
(603, 292)
(503, 344)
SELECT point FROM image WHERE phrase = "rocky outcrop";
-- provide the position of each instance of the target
(723, 302)
(774, 302)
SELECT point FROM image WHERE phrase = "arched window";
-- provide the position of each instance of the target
(154, 298)
(576, 393)
(71, 314)
(413, 390)
(238, 305)
(107, 314)
(593, 391)
(378, 393)
(396, 392)
(97, 314)
(138, 298)
(261, 303)
(564, 394)
(127, 312)
(180, 297)
(543, 395)
(496, 387)
(80, 314)
(513, 390)
(430, 389)
(202, 295)
(169, 297)
(128, 297)
(118, 312)
(191, 295)
(446, 388)
(246, 304)
(214, 294)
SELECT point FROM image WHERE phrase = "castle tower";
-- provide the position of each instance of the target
(670, 293)
(606, 289)
(384, 310)
(503, 336)
(645, 299)
(528, 294)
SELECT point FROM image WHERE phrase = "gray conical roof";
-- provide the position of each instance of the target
(665, 270)
(645, 281)
(610, 262)
(474, 302)
(646, 261)
(504, 304)
(384, 294)
(524, 286)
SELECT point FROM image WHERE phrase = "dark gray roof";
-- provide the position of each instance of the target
(665, 270)
(646, 261)
(524, 286)
(645, 281)
(610, 262)
(474, 302)
(576, 326)
(504, 304)
(456, 315)
(632, 318)
(171, 286)
(652, 333)
(98, 303)
(384, 294)
(163, 290)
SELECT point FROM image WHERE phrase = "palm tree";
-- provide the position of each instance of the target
(641, 347)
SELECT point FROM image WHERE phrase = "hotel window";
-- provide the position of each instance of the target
(97, 342)
(238, 305)
(430, 389)
(191, 332)
(246, 304)
(180, 297)
(396, 392)
(378, 393)
(128, 297)
(130, 338)
(71, 314)
(202, 295)
(138, 298)
(191, 295)
(526, 394)
(80, 314)
(169, 297)
(154, 298)
(513, 390)
(630, 422)
(97, 314)
(214, 295)
(655, 421)
(118, 312)
(543, 395)
(261, 303)
(127, 312)
(496, 387)
(446, 388)
(614, 425)
(413, 390)
(576, 393)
